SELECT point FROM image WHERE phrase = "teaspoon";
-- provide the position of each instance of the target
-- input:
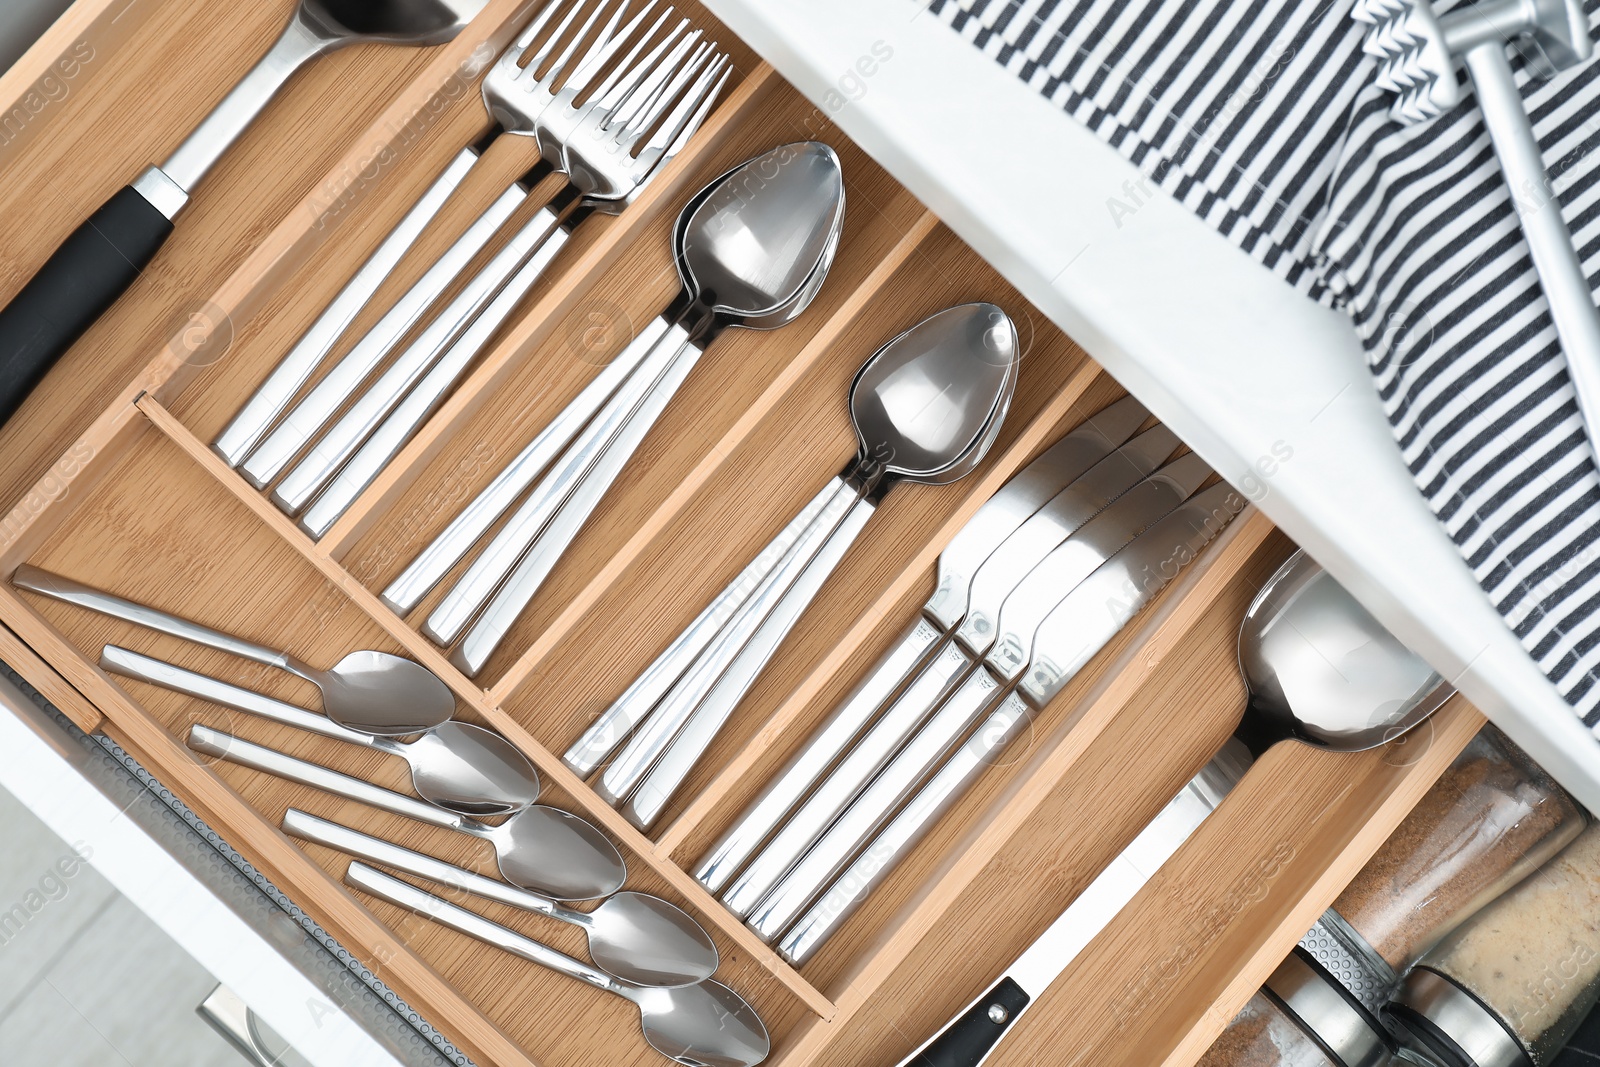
(374, 692)
(456, 766)
(701, 1025)
(632, 936)
(540, 848)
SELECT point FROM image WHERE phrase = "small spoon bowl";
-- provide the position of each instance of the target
(643, 939)
(1322, 670)
(554, 852)
(412, 22)
(381, 693)
(465, 768)
(703, 1025)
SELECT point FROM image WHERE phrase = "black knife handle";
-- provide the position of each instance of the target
(971, 1036)
(80, 280)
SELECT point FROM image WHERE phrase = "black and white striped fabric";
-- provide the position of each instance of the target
(1262, 117)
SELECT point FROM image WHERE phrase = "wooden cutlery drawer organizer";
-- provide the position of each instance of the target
(108, 477)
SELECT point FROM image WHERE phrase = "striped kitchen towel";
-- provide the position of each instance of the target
(1262, 117)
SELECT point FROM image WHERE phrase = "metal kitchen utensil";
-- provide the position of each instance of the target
(455, 766)
(925, 407)
(999, 517)
(1080, 532)
(1419, 50)
(666, 96)
(1318, 669)
(374, 692)
(93, 266)
(514, 99)
(790, 199)
(1062, 614)
(701, 1025)
(540, 848)
(632, 936)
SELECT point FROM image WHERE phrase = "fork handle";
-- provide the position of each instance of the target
(81, 279)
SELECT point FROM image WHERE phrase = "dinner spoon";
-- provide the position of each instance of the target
(374, 692)
(103, 257)
(701, 1025)
(632, 936)
(455, 766)
(539, 848)
(752, 251)
(925, 407)
(1318, 668)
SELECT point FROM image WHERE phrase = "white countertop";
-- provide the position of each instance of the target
(1238, 364)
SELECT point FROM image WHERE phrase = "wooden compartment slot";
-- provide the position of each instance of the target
(107, 476)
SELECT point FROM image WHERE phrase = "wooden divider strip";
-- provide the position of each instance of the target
(294, 871)
(493, 367)
(999, 470)
(533, 659)
(549, 764)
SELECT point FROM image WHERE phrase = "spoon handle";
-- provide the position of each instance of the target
(308, 827)
(551, 542)
(307, 418)
(460, 919)
(874, 807)
(263, 408)
(225, 746)
(792, 594)
(542, 239)
(487, 573)
(603, 738)
(379, 398)
(56, 587)
(852, 775)
(684, 693)
(131, 664)
(469, 527)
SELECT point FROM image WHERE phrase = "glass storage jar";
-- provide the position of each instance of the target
(1492, 818)
(1516, 980)
(1302, 1017)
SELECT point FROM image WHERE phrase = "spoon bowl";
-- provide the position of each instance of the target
(1322, 670)
(703, 1025)
(645, 940)
(381, 693)
(413, 22)
(465, 768)
(554, 852)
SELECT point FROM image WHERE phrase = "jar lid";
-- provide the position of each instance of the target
(1434, 1015)
(1328, 1012)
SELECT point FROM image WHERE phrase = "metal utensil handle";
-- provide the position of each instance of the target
(519, 588)
(876, 806)
(668, 716)
(608, 732)
(321, 831)
(131, 664)
(307, 418)
(761, 818)
(329, 453)
(488, 572)
(904, 831)
(445, 913)
(424, 399)
(653, 794)
(267, 403)
(467, 528)
(847, 781)
(225, 746)
(1561, 274)
(56, 587)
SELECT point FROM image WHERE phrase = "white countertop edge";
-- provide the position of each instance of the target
(44, 778)
(1216, 346)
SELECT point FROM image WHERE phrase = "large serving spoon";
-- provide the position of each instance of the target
(455, 766)
(926, 407)
(102, 257)
(1318, 669)
(374, 692)
(540, 848)
(752, 250)
(632, 936)
(701, 1025)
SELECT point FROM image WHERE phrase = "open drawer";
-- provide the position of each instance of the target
(108, 477)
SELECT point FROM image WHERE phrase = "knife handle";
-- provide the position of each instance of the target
(973, 1034)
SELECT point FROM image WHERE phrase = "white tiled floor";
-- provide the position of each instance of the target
(86, 980)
